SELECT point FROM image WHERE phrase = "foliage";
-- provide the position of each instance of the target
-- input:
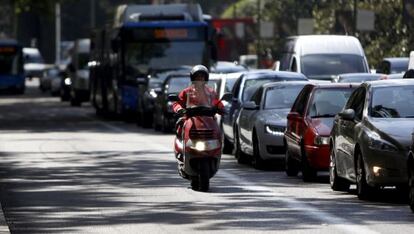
(389, 39)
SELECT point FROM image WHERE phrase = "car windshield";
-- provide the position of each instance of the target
(10, 62)
(177, 84)
(280, 97)
(162, 55)
(230, 84)
(324, 66)
(327, 103)
(33, 58)
(251, 85)
(392, 102)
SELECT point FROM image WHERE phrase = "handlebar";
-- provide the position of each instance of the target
(200, 111)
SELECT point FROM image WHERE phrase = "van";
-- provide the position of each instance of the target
(322, 57)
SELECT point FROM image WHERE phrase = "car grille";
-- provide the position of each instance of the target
(201, 134)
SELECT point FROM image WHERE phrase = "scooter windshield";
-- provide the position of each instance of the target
(199, 95)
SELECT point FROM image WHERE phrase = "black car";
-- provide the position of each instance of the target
(163, 114)
(393, 65)
(242, 91)
(148, 90)
(410, 166)
(371, 137)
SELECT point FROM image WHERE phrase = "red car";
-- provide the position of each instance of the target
(309, 126)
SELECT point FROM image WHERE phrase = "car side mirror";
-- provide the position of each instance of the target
(293, 116)
(173, 98)
(250, 106)
(347, 114)
(227, 97)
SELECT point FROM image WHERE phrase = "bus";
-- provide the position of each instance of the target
(12, 75)
(144, 40)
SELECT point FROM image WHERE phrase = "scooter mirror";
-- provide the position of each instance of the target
(173, 97)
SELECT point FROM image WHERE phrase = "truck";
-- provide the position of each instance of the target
(144, 40)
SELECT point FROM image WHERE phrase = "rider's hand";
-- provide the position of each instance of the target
(181, 112)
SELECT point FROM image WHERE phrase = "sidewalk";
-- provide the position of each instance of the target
(3, 224)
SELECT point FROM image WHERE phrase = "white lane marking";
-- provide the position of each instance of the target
(308, 210)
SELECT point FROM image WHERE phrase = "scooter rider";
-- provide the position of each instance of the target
(197, 93)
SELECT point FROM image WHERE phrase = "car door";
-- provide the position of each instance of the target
(293, 137)
(347, 129)
(246, 121)
(230, 109)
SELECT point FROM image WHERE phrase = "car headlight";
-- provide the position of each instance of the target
(376, 143)
(320, 140)
(275, 130)
(153, 93)
(68, 81)
(203, 145)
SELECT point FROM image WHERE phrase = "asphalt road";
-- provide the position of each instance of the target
(62, 169)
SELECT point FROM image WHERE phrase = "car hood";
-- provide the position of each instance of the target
(323, 126)
(274, 116)
(399, 130)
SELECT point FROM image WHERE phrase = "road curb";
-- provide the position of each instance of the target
(4, 228)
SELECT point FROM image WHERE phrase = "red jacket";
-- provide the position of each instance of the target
(183, 98)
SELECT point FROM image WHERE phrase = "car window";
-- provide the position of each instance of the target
(392, 102)
(257, 96)
(215, 85)
(280, 97)
(356, 102)
(236, 88)
(229, 84)
(328, 102)
(301, 101)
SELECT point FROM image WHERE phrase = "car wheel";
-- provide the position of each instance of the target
(240, 156)
(165, 126)
(155, 124)
(257, 161)
(364, 191)
(291, 166)
(75, 102)
(337, 183)
(411, 186)
(227, 147)
(308, 172)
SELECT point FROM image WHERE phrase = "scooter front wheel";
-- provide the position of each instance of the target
(204, 176)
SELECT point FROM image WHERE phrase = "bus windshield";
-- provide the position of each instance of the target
(10, 62)
(140, 56)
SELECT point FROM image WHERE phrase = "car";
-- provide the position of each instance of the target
(371, 137)
(78, 72)
(393, 65)
(34, 64)
(309, 125)
(410, 166)
(148, 90)
(50, 75)
(358, 77)
(320, 57)
(262, 121)
(242, 91)
(164, 118)
(227, 67)
(249, 60)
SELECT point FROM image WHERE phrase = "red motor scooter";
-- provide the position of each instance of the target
(197, 146)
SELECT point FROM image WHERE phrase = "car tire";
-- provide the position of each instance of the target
(155, 124)
(411, 186)
(308, 172)
(257, 161)
(238, 153)
(75, 102)
(227, 147)
(165, 126)
(337, 183)
(364, 191)
(291, 166)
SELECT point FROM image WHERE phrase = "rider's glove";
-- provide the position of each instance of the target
(181, 112)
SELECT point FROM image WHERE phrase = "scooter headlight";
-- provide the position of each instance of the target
(201, 145)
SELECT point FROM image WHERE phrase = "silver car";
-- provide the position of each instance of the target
(371, 137)
(262, 121)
